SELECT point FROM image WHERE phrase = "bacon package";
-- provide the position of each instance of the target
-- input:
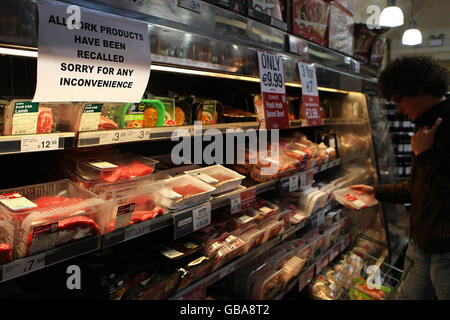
(354, 199)
(52, 214)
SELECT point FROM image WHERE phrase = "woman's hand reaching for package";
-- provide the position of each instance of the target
(365, 188)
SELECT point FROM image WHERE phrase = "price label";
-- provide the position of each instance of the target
(324, 166)
(271, 72)
(320, 218)
(183, 223)
(193, 5)
(303, 179)
(137, 230)
(331, 164)
(308, 79)
(39, 143)
(293, 183)
(23, 266)
(235, 204)
(226, 270)
(129, 135)
(201, 216)
(306, 278)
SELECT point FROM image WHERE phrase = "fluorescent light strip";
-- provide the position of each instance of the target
(34, 54)
(19, 52)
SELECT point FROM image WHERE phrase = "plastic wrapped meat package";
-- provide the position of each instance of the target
(52, 214)
(263, 209)
(271, 227)
(26, 117)
(231, 248)
(132, 202)
(110, 169)
(354, 199)
(244, 219)
(340, 31)
(322, 288)
(183, 191)
(319, 245)
(252, 237)
(310, 20)
(265, 288)
(292, 268)
(221, 178)
(7, 238)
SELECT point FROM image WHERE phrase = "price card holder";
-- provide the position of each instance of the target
(320, 218)
(235, 205)
(303, 179)
(193, 5)
(137, 230)
(201, 216)
(226, 270)
(324, 166)
(284, 185)
(293, 183)
(39, 143)
(310, 94)
(128, 135)
(306, 277)
(183, 223)
(314, 222)
(23, 266)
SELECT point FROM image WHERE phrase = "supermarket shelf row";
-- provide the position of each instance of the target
(21, 267)
(69, 140)
(244, 260)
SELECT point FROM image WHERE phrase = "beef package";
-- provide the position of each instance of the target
(310, 20)
(364, 39)
(340, 36)
(52, 214)
(267, 11)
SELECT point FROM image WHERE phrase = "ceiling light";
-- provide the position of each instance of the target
(392, 16)
(412, 36)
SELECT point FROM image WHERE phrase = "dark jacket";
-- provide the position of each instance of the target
(428, 188)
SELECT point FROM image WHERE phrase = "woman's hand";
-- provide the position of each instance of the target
(365, 188)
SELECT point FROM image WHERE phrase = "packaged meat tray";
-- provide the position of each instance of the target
(7, 237)
(183, 191)
(292, 268)
(354, 199)
(253, 238)
(227, 252)
(52, 214)
(272, 229)
(110, 169)
(131, 202)
(208, 112)
(26, 117)
(266, 288)
(91, 116)
(223, 179)
(231, 115)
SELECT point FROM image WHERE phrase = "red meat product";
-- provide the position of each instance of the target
(107, 124)
(134, 169)
(5, 252)
(6, 238)
(45, 120)
(188, 190)
(221, 177)
(69, 229)
(139, 216)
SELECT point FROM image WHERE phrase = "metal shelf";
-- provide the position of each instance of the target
(31, 142)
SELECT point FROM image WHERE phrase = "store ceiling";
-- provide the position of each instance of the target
(432, 17)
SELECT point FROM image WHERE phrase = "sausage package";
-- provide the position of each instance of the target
(52, 214)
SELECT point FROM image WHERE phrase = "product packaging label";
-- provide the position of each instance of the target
(103, 165)
(135, 116)
(91, 117)
(169, 110)
(44, 238)
(124, 214)
(209, 112)
(25, 117)
(15, 201)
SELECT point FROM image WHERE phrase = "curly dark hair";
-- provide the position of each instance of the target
(412, 76)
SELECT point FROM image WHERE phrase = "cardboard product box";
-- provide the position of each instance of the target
(310, 20)
(340, 35)
(363, 42)
(268, 12)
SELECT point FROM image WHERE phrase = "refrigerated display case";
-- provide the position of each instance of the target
(211, 55)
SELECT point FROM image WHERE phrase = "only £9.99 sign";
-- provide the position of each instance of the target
(310, 94)
(273, 91)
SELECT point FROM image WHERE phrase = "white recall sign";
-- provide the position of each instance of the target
(88, 55)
